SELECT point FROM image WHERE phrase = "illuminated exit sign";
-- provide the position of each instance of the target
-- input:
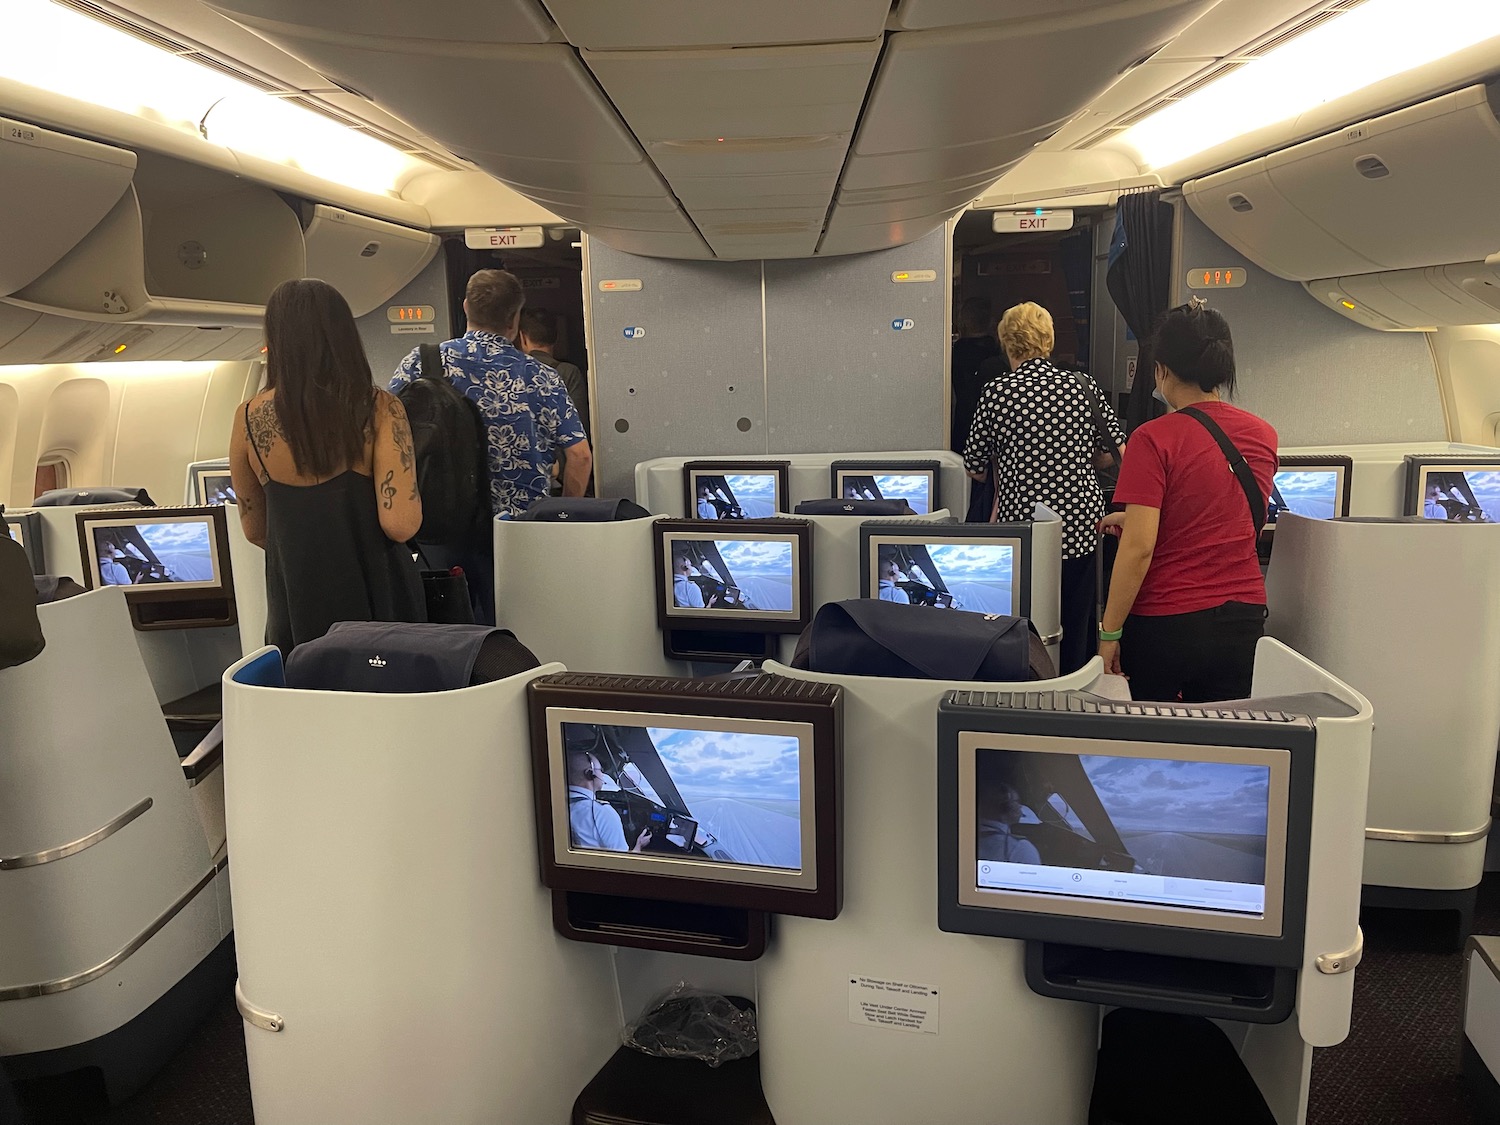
(1038, 219)
(503, 238)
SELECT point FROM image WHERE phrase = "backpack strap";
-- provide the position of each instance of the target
(1096, 412)
(432, 361)
(1237, 464)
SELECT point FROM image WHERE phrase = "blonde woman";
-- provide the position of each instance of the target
(1036, 425)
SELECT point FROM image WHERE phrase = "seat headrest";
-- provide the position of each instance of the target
(583, 509)
(869, 637)
(92, 497)
(405, 657)
(866, 508)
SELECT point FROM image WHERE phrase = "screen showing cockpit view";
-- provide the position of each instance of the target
(216, 488)
(1163, 832)
(1462, 496)
(755, 575)
(914, 488)
(970, 575)
(137, 554)
(1314, 494)
(713, 795)
(735, 496)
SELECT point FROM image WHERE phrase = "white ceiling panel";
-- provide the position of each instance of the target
(847, 235)
(804, 189)
(737, 94)
(471, 21)
(623, 25)
(1234, 23)
(750, 159)
(652, 245)
(917, 15)
(749, 247)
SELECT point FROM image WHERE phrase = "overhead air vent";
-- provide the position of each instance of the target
(1371, 168)
(1239, 203)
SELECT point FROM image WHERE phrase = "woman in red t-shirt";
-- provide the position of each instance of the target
(1187, 601)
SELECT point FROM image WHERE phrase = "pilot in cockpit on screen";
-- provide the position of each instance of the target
(591, 822)
(999, 809)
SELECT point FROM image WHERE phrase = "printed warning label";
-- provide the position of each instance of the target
(899, 1005)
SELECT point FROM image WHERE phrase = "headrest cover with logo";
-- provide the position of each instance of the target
(866, 508)
(584, 509)
(397, 657)
(92, 497)
(869, 637)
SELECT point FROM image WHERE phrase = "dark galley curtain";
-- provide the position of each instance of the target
(1139, 280)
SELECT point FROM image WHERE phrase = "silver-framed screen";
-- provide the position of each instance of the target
(1317, 501)
(803, 876)
(784, 580)
(975, 592)
(1046, 887)
(892, 483)
(1436, 500)
(197, 552)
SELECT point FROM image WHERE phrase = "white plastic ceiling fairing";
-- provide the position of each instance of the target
(917, 15)
(622, 25)
(473, 21)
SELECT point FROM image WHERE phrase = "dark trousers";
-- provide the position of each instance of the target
(1080, 614)
(1195, 657)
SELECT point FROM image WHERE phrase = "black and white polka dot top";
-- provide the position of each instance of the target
(1036, 424)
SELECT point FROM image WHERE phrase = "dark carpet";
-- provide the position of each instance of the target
(1399, 1066)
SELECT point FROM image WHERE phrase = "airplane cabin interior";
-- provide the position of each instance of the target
(699, 842)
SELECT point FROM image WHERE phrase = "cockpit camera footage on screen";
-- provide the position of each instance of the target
(1466, 496)
(1159, 831)
(735, 496)
(911, 487)
(717, 796)
(1313, 494)
(732, 574)
(978, 577)
(148, 553)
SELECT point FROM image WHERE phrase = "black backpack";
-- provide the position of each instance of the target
(449, 437)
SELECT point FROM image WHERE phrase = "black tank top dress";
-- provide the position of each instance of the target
(328, 560)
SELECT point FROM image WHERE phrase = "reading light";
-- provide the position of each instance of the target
(104, 66)
(1362, 46)
(1348, 305)
(120, 348)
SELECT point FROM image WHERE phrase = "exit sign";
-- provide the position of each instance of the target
(503, 238)
(1039, 219)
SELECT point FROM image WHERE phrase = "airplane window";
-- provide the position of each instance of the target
(50, 475)
(1069, 816)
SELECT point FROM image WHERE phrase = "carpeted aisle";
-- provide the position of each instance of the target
(1399, 1065)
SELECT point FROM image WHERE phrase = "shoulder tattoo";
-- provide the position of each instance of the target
(401, 432)
(265, 426)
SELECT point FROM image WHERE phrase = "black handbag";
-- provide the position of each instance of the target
(869, 637)
(446, 593)
(20, 632)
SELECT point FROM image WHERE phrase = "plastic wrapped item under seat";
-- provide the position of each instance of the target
(686, 1023)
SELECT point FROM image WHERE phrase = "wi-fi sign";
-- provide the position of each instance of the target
(634, 333)
(904, 324)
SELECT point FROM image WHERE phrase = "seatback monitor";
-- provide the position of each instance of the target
(735, 490)
(978, 568)
(1312, 486)
(916, 482)
(722, 794)
(173, 563)
(1078, 820)
(26, 529)
(753, 576)
(1456, 489)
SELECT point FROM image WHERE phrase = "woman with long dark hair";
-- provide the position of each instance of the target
(1187, 601)
(325, 472)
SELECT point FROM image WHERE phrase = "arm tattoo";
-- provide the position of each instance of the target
(401, 432)
(387, 489)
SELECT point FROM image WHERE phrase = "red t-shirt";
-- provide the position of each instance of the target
(1205, 545)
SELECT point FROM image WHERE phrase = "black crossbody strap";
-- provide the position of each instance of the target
(1237, 463)
(432, 361)
(1097, 412)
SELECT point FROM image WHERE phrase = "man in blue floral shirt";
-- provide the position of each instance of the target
(524, 404)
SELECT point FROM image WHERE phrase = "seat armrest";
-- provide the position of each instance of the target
(206, 757)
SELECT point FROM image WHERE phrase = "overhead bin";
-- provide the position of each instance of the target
(184, 245)
(367, 260)
(54, 190)
(1409, 189)
(1434, 297)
